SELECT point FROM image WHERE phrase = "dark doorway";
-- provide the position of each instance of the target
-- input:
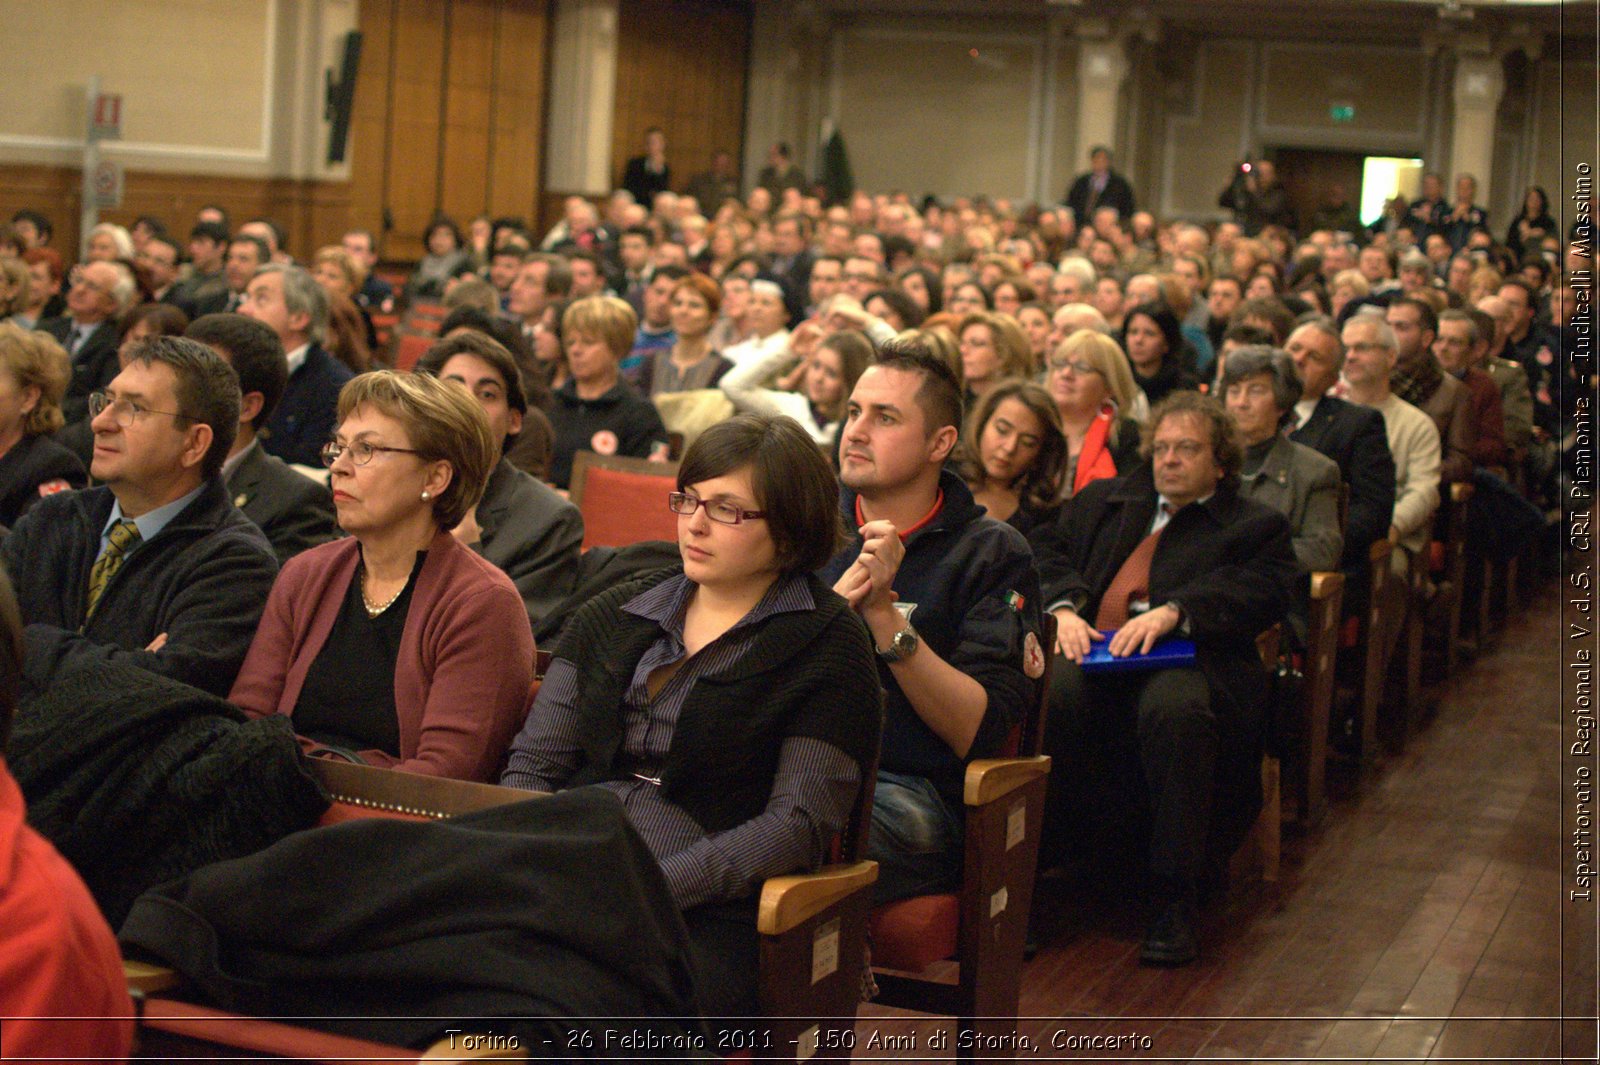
(1307, 174)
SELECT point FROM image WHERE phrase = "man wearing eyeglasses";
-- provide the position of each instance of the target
(101, 292)
(155, 567)
(1169, 753)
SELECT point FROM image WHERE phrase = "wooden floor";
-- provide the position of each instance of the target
(1419, 922)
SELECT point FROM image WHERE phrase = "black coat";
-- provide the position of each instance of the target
(1118, 193)
(93, 366)
(293, 511)
(137, 779)
(304, 419)
(35, 467)
(203, 580)
(1354, 437)
(1229, 562)
(639, 179)
(550, 910)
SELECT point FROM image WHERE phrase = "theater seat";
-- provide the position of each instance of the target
(623, 500)
(984, 925)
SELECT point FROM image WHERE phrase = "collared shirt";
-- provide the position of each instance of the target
(234, 461)
(814, 782)
(83, 333)
(1303, 410)
(149, 524)
(297, 357)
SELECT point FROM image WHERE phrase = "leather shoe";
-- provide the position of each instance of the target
(1170, 940)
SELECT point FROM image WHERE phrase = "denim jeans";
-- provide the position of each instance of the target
(916, 838)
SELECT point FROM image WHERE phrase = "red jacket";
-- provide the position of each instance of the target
(58, 958)
(465, 668)
(1490, 448)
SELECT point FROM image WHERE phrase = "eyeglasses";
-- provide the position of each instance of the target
(719, 510)
(360, 452)
(1079, 367)
(124, 411)
(79, 276)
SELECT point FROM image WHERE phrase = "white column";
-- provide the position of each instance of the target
(1479, 83)
(307, 42)
(783, 87)
(583, 83)
(1102, 68)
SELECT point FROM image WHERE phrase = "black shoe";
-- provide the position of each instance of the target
(1170, 940)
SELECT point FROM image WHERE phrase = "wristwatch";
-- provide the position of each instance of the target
(902, 646)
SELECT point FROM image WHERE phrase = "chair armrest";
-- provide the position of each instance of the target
(990, 778)
(1380, 550)
(1326, 585)
(788, 901)
(149, 978)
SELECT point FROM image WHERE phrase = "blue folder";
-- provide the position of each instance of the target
(1173, 652)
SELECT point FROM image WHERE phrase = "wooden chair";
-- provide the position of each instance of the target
(813, 930)
(1321, 658)
(984, 925)
(623, 500)
(1449, 570)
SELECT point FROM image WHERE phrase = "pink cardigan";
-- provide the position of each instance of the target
(465, 666)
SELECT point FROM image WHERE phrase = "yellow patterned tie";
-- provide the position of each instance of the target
(123, 536)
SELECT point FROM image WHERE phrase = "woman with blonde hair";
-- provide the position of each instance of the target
(1094, 393)
(595, 409)
(351, 335)
(34, 370)
(398, 646)
(15, 286)
(993, 348)
(1347, 285)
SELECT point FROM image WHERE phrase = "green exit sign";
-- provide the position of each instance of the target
(1342, 112)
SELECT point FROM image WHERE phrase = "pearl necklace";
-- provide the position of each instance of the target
(374, 611)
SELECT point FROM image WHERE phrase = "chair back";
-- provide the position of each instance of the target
(370, 791)
(623, 500)
(410, 350)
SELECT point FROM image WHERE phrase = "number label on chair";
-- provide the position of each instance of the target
(998, 902)
(806, 1046)
(1017, 824)
(825, 950)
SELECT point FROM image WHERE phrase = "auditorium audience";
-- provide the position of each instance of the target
(33, 378)
(443, 259)
(824, 371)
(1172, 547)
(953, 673)
(729, 702)
(1013, 454)
(595, 410)
(521, 525)
(292, 510)
(156, 567)
(1418, 379)
(1093, 390)
(292, 305)
(398, 646)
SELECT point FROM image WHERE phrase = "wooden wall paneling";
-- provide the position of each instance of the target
(417, 85)
(516, 148)
(681, 67)
(469, 79)
(369, 120)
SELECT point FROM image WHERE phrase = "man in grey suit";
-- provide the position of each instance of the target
(521, 524)
(1261, 387)
(294, 511)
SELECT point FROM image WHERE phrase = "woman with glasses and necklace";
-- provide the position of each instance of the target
(731, 703)
(1089, 379)
(398, 646)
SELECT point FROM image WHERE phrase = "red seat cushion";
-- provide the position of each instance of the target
(1435, 556)
(621, 508)
(1349, 633)
(411, 349)
(914, 933)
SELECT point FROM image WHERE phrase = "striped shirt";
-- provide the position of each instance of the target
(812, 789)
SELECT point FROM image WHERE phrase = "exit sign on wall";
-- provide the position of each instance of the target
(1342, 112)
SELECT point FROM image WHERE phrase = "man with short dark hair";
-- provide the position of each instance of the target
(1420, 381)
(1531, 344)
(1171, 548)
(32, 228)
(101, 293)
(588, 275)
(376, 294)
(633, 254)
(1100, 187)
(295, 307)
(155, 567)
(159, 260)
(208, 248)
(951, 599)
(521, 525)
(827, 278)
(292, 510)
(1453, 349)
(1495, 318)
(655, 330)
(246, 255)
(648, 174)
(792, 260)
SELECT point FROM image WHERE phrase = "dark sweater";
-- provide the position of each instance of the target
(621, 422)
(35, 467)
(805, 674)
(203, 581)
